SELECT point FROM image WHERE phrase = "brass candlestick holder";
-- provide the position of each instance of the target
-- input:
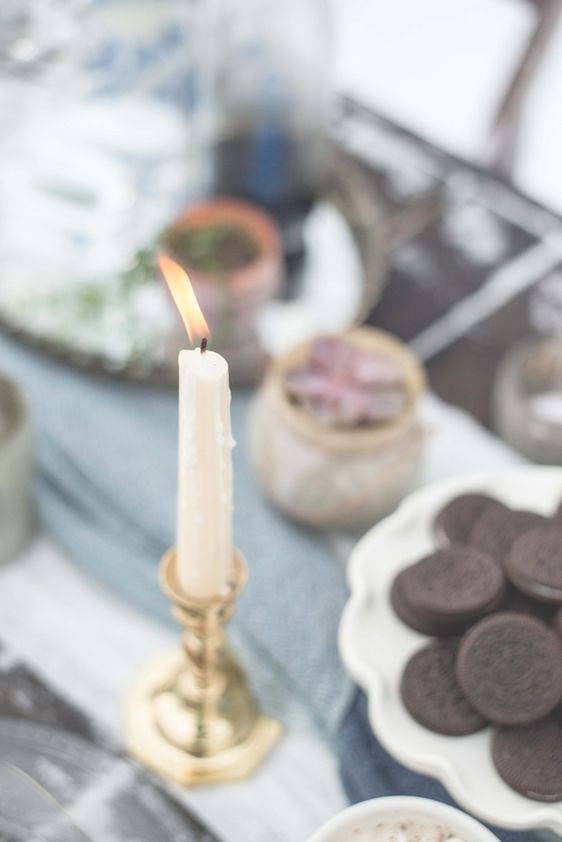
(191, 715)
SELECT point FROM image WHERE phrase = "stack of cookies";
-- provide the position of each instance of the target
(491, 596)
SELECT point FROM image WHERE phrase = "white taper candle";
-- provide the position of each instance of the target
(204, 544)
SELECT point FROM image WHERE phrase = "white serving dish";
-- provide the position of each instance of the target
(375, 646)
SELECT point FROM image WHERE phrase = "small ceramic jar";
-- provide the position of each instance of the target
(16, 515)
(330, 477)
(233, 255)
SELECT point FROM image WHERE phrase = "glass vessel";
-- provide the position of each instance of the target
(97, 155)
(266, 64)
(527, 399)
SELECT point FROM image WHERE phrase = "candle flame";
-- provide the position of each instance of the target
(184, 297)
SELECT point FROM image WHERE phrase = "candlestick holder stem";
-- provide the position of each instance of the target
(191, 715)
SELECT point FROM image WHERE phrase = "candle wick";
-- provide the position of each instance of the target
(203, 346)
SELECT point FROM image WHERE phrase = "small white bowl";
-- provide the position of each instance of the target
(362, 815)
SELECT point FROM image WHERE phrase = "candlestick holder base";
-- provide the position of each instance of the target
(190, 715)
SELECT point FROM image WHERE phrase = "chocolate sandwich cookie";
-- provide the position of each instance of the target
(520, 603)
(529, 759)
(510, 669)
(497, 529)
(535, 564)
(453, 586)
(432, 695)
(411, 617)
(455, 522)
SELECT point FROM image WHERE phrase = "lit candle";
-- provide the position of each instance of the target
(204, 547)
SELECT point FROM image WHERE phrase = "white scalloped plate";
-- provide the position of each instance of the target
(375, 646)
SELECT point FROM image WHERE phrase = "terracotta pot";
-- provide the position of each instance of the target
(325, 476)
(231, 300)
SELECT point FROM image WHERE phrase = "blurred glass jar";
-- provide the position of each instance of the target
(267, 66)
(97, 153)
(527, 399)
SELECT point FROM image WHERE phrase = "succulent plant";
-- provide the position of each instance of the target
(344, 385)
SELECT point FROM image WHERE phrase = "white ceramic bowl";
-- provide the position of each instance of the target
(364, 815)
(376, 645)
